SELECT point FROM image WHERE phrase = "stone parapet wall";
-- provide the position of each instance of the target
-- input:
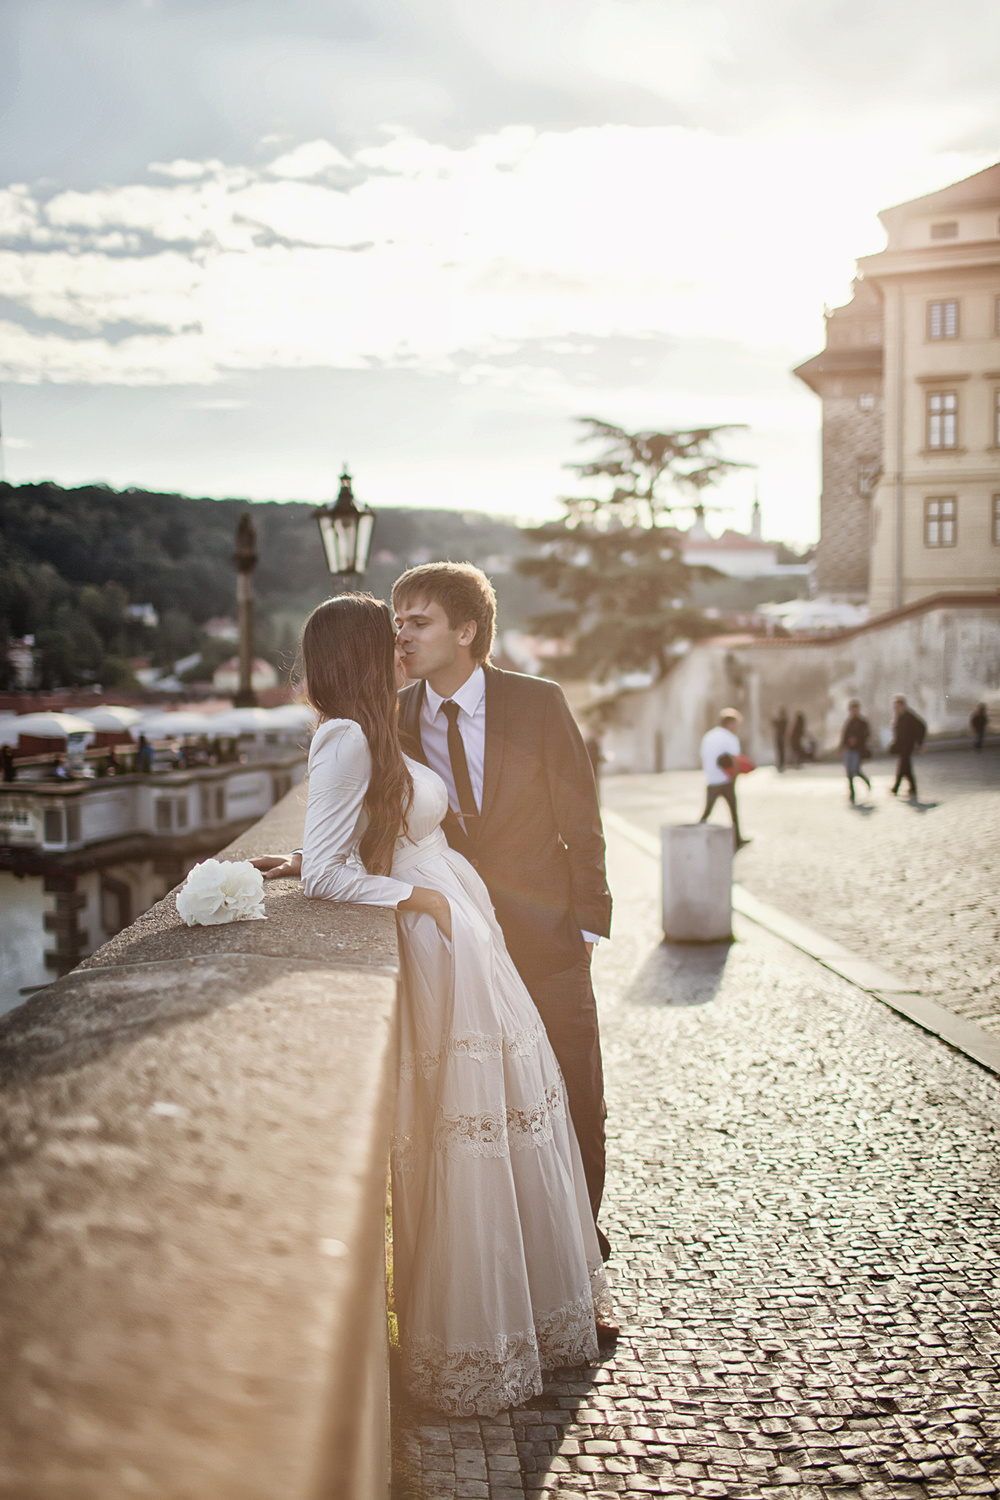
(195, 1139)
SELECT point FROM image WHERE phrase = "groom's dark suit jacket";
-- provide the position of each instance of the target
(538, 846)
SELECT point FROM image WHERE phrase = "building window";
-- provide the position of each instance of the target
(996, 520)
(164, 815)
(996, 418)
(942, 415)
(867, 475)
(866, 401)
(996, 320)
(940, 522)
(948, 230)
(52, 826)
(942, 320)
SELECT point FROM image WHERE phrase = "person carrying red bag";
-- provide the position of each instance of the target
(722, 761)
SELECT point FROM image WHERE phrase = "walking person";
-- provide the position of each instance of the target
(855, 744)
(720, 750)
(496, 1262)
(978, 723)
(908, 733)
(797, 741)
(780, 726)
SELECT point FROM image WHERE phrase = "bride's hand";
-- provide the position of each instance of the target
(434, 903)
(279, 866)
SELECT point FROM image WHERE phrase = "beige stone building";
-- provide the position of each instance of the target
(847, 377)
(930, 522)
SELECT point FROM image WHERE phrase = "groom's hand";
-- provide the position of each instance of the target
(279, 866)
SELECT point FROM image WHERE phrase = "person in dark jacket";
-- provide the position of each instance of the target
(9, 763)
(907, 736)
(780, 726)
(978, 724)
(855, 743)
(797, 742)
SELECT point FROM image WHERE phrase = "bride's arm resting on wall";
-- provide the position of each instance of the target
(339, 771)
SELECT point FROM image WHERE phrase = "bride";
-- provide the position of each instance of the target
(496, 1260)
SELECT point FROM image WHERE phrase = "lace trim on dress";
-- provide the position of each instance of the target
(491, 1133)
(479, 1045)
(567, 1336)
(471, 1382)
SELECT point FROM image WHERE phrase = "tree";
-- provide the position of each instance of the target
(614, 557)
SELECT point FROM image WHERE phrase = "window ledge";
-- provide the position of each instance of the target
(941, 452)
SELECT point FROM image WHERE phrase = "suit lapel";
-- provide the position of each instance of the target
(411, 700)
(496, 712)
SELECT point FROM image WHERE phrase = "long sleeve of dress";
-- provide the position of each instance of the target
(339, 771)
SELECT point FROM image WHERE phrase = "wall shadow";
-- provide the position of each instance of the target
(679, 974)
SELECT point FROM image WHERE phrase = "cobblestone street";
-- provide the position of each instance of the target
(916, 889)
(803, 1205)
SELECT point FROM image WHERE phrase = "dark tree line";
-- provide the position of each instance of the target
(73, 560)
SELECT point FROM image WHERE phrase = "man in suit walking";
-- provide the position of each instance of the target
(908, 732)
(523, 809)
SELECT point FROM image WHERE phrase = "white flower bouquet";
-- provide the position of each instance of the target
(217, 891)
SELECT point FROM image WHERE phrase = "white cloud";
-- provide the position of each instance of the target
(438, 252)
(311, 159)
(185, 170)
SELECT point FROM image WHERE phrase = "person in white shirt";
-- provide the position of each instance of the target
(722, 742)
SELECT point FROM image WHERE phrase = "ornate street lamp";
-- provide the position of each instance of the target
(347, 533)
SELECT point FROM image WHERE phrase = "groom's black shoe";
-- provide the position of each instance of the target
(602, 1241)
(607, 1333)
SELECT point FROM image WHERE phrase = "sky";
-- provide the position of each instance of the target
(243, 241)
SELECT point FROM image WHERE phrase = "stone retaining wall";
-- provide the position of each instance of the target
(195, 1134)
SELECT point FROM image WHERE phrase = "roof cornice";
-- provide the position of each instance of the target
(918, 260)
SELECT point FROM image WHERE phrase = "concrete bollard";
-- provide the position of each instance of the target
(697, 883)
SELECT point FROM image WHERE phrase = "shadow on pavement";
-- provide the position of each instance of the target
(676, 974)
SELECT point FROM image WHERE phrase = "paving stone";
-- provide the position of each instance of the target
(803, 1202)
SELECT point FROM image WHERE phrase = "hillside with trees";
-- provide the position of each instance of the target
(72, 562)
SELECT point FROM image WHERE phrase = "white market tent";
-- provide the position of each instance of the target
(293, 716)
(52, 726)
(169, 726)
(110, 718)
(243, 721)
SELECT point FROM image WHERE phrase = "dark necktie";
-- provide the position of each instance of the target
(460, 767)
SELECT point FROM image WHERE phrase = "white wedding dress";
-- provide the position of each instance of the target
(496, 1264)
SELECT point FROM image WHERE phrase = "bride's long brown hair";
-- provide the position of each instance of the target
(348, 651)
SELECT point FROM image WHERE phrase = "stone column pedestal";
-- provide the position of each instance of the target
(697, 883)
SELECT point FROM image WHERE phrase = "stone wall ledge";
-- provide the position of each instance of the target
(195, 1135)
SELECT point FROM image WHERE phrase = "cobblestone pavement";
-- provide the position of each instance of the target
(916, 889)
(804, 1204)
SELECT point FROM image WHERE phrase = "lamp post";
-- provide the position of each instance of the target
(245, 558)
(346, 532)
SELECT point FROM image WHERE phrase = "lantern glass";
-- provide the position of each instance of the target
(339, 535)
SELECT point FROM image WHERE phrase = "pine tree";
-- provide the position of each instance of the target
(614, 557)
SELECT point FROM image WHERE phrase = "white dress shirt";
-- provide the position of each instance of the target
(716, 742)
(471, 700)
